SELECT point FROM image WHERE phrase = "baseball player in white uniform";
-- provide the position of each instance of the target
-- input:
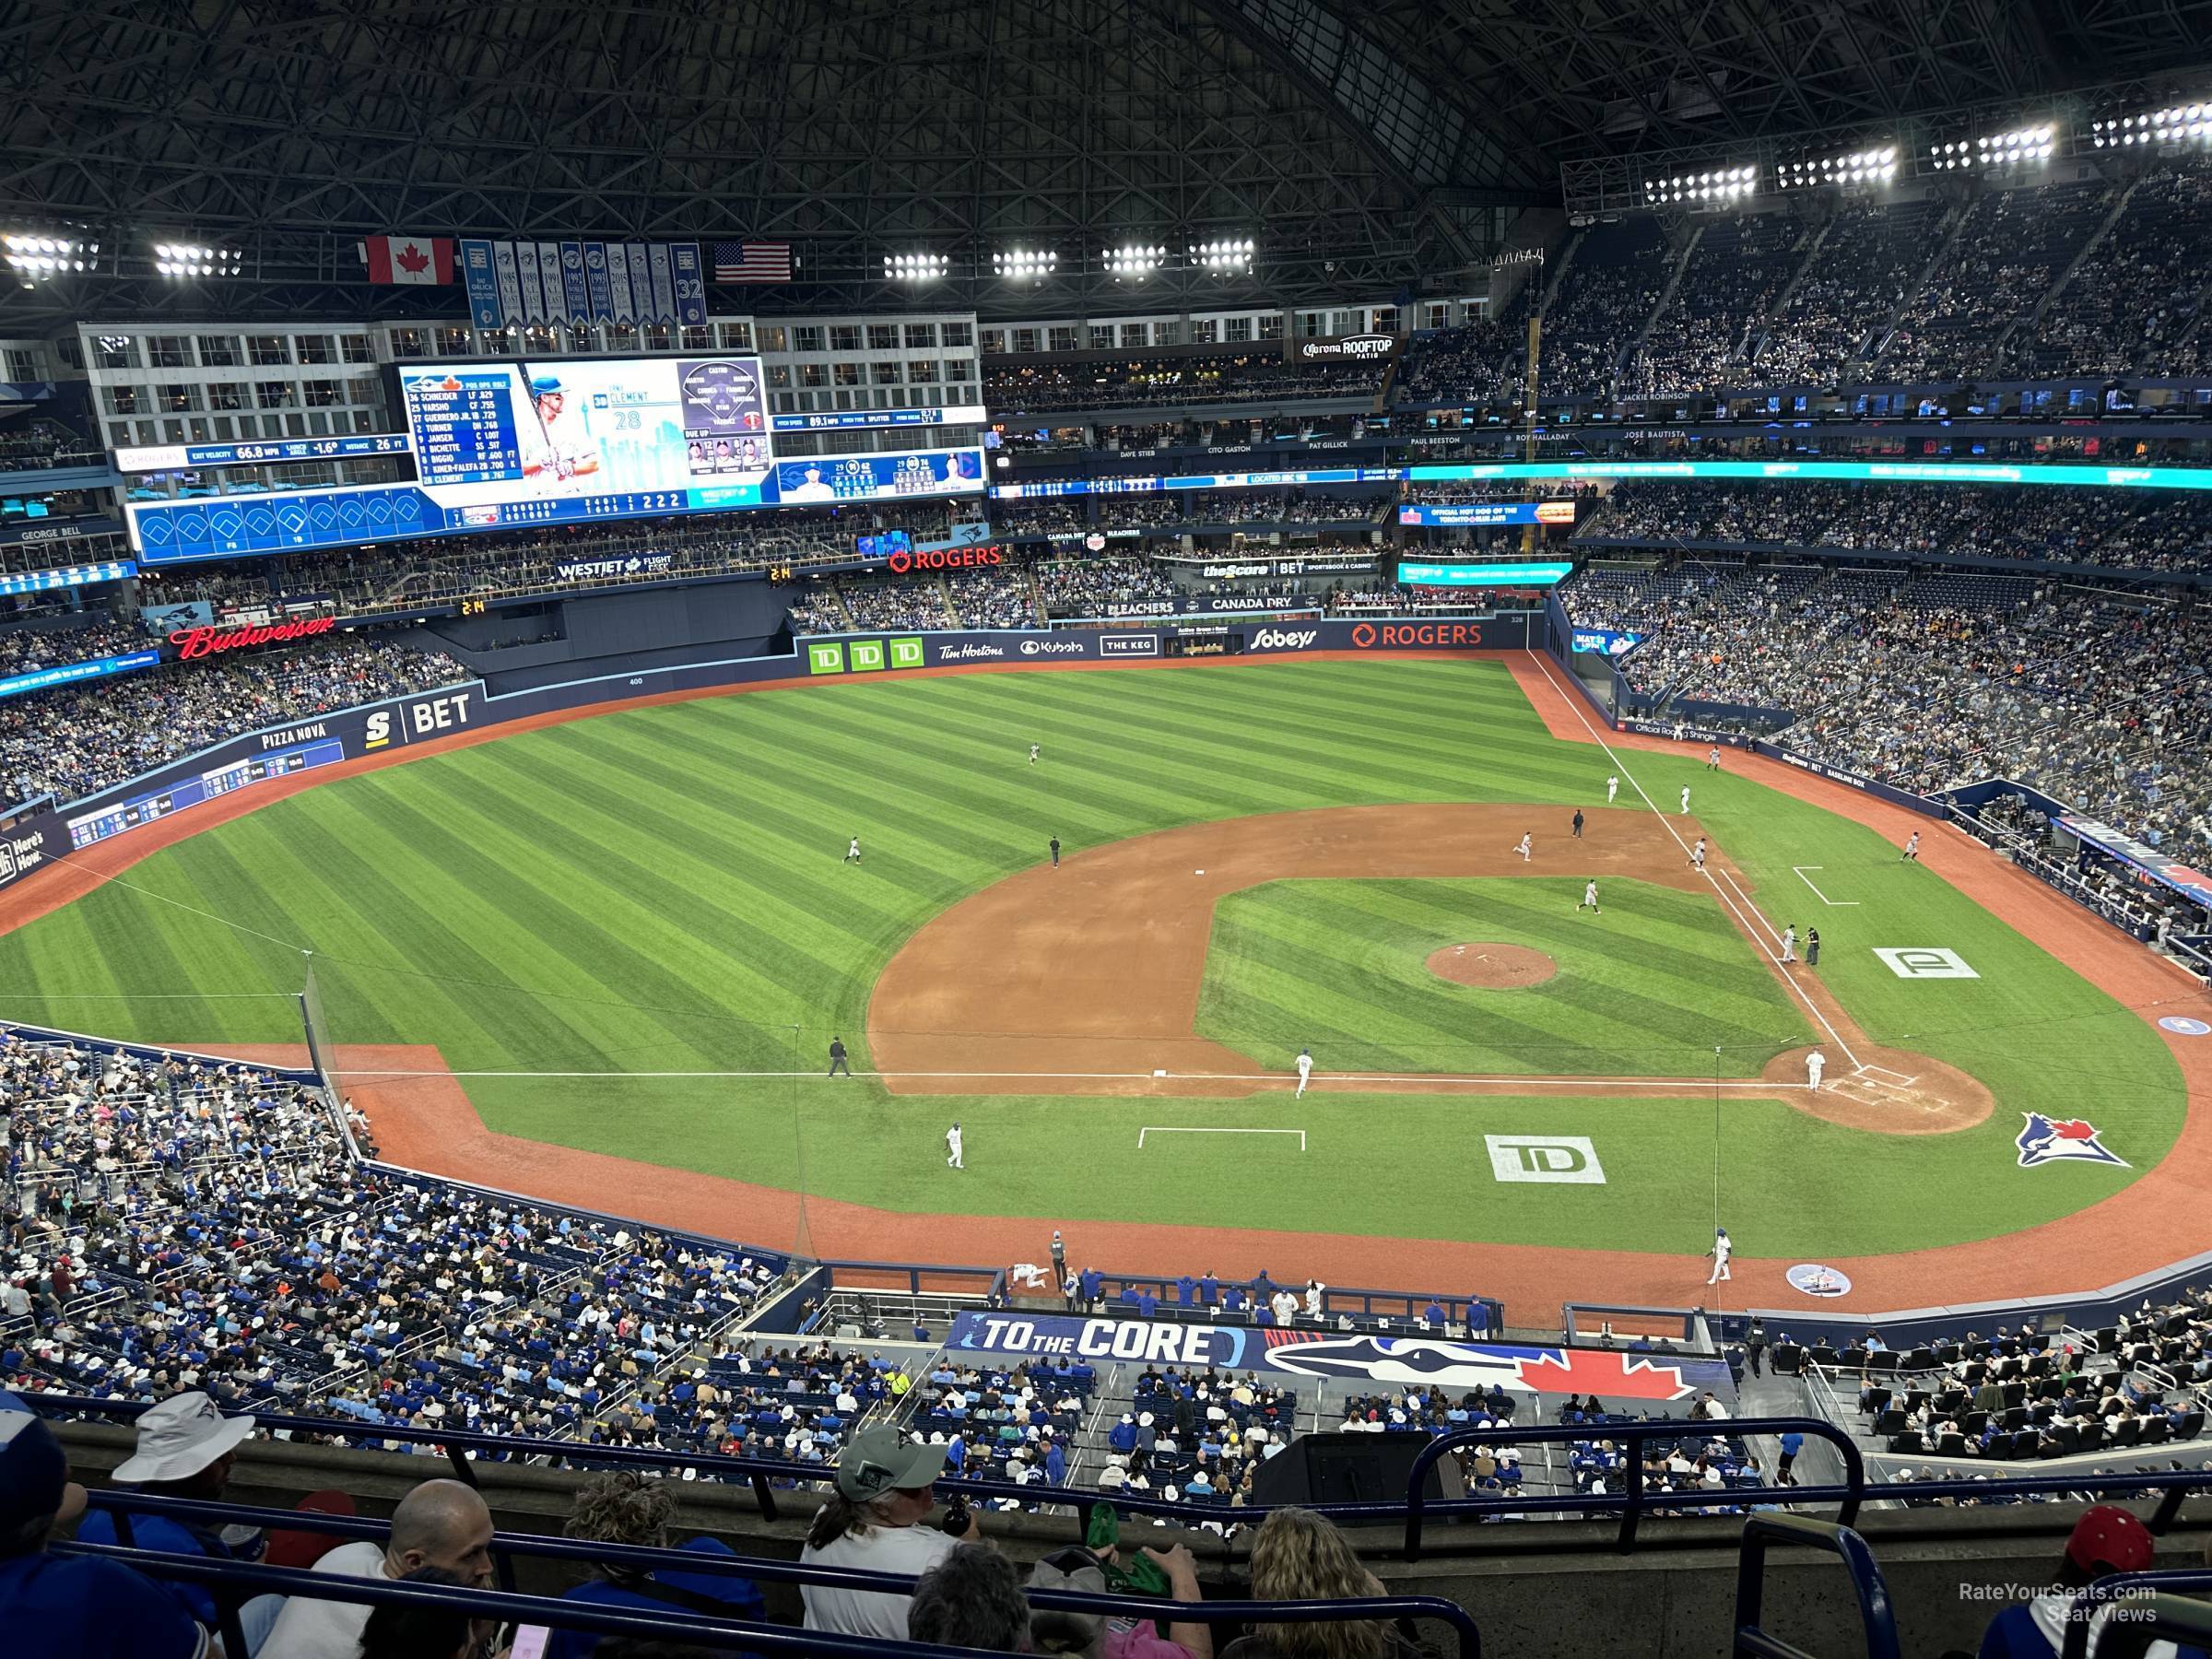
(1305, 1071)
(1612, 789)
(952, 1145)
(1590, 897)
(853, 851)
(1032, 754)
(1522, 847)
(1789, 943)
(1713, 759)
(559, 457)
(1815, 1064)
(1696, 854)
(1912, 849)
(1685, 797)
(1722, 1250)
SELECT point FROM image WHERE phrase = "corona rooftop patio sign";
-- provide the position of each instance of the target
(194, 642)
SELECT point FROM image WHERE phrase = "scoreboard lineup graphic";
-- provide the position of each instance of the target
(505, 444)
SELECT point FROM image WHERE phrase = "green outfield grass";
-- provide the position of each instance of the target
(1650, 986)
(664, 889)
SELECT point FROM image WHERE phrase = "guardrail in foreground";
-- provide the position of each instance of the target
(1877, 1619)
(2134, 1591)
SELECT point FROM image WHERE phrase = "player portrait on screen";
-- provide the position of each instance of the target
(559, 454)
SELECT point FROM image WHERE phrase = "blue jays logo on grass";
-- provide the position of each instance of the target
(2053, 1140)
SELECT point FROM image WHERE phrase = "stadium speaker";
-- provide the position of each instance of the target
(1350, 1468)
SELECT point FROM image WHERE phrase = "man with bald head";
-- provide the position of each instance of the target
(440, 1524)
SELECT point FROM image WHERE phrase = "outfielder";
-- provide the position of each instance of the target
(1815, 1064)
(1612, 789)
(1522, 847)
(1912, 850)
(1685, 797)
(952, 1143)
(1032, 754)
(853, 851)
(1305, 1071)
(1722, 1250)
(1713, 759)
(1590, 897)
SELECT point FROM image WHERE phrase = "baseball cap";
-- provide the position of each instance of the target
(542, 383)
(34, 1470)
(2107, 1536)
(879, 1460)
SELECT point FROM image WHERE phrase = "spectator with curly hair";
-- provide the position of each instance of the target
(973, 1598)
(624, 1507)
(1300, 1556)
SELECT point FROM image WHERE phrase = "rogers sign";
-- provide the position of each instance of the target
(943, 558)
(1366, 636)
(206, 641)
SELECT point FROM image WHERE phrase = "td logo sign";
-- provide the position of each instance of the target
(1570, 1159)
(863, 657)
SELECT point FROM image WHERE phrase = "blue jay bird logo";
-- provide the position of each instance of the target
(2053, 1140)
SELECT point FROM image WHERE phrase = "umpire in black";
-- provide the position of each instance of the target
(837, 1057)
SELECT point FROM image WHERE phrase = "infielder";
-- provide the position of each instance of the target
(1815, 1064)
(1685, 797)
(1713, 759)
(1032, 754)
(1722, 1250)
(1912, 850)
(1789, 943)
(1523, 848)
(1612, 789)
(1305, 1071)
(853, 851)
(952, 1146)
(1696, 854)
(1590, 897)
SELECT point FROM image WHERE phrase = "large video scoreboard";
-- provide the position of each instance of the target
(499, 445)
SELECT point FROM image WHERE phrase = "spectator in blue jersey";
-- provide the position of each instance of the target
(1121, 1437)
(1209, 1289)
(186, 1449)
(1093, 1286)
(1232, 1300)
(1433, 1313)
(56, 1606)
(623, 1507)
(1186, 1291)
(1147, 1304)
(1128, 1296)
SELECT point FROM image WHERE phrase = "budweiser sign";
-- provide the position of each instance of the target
(206, 641)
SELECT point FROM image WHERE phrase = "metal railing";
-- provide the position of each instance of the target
(1413, 1512)
(234, 1583)
(1877, 1619)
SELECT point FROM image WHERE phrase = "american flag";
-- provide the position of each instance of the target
(752, 262)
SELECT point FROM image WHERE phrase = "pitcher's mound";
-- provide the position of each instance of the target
(1492, 967)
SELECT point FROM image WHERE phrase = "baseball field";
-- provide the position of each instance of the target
(636, 934)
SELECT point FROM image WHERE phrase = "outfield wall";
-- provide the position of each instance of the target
(40, 837)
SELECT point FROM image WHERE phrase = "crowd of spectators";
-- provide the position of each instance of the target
(1605, 298)
(894, 602)
(2011, 247)
(993, 596)
(1855, 280)
(25, 650)
(41, 443)
(2136, 529)
(77, 740)
(1472, 364)
(171, 1222)
(1035, 518)
(1078, 587)
(1734, 275)
(2100, 700)
(2139, 291)
(1226, 377)
(1198, 1436)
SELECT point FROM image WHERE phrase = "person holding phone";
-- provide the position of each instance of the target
(872, 1522)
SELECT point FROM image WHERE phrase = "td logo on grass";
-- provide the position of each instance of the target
(1569, 1159)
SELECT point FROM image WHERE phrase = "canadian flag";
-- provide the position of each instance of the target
(426, 259)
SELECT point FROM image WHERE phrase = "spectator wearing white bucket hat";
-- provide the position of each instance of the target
(186, 1449)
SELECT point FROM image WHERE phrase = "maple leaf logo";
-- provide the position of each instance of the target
(2073, 1129)
(413, 259)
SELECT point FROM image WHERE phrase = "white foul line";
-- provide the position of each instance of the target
(1509, 1079)
(1838, 903)
(1544, 662)
(1180, 1129)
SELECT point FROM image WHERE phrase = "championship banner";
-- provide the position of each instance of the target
(617, 284)
(533, 299)
(641, 284)
(690, 280)
(511, 282)
(483, 285)
(551, 284)
(1413, 1361)
(664, 283)
(572, 285)
(595, 279)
